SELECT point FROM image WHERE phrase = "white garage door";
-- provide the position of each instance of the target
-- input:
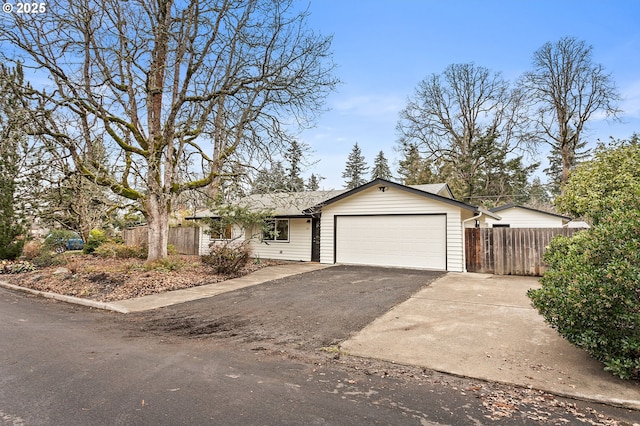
(412, 241)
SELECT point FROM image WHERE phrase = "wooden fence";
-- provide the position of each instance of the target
(184, 239)
(509, 251)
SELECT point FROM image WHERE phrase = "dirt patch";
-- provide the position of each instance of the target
(108, 280)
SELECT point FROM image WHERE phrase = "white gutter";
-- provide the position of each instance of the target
(464, 242)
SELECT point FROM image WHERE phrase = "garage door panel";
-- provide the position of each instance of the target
(395, 240)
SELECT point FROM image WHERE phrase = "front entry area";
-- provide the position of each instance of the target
(408, 241)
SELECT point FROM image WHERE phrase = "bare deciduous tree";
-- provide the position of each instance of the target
(167, 83)
(566, 89)
(450, 113)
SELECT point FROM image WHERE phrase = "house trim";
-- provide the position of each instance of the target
(512, 205)
(383, 182)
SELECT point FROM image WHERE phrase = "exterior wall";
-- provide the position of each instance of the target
(394, 201)
(522, 218)
(297, 248)
(205, 238)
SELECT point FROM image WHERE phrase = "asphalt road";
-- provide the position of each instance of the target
(62, 364)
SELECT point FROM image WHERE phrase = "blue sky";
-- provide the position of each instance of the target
(383, 48)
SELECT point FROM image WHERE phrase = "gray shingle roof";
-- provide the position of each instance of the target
(290, 204)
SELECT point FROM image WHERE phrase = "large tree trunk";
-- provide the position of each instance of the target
(157, 215)
(566, 167)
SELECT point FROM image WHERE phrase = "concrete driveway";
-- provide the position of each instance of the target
(484, 326)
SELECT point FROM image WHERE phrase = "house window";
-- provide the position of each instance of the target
(276, 230)
(501, 225)
(222, 232)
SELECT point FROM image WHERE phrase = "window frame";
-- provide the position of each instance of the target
(226, 234)
(270, 235)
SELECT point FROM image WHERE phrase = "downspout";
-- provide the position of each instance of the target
(464, 242)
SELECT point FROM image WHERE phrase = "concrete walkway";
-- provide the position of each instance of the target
(484, 327)
(160, 300)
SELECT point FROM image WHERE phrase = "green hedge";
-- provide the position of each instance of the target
(591, 292)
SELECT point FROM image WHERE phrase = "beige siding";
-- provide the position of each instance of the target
(205, 238)
(297, 248)
(522, 218)
(393, 201)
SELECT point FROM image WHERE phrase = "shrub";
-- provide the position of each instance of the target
(172, 263)
(591, 292)
(13, 250)
(97, 237)
(120, 251)
(228, 257)
(12, 267)
(47, 257)
(31, 250)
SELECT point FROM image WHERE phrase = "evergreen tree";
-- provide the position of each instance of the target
(314, 182)
(500, 178)
(413, 169)
(538, 196)
(381, 168)
(355, 169)
(554, 172)
(294, 156)
(271, 180)
(11, 142)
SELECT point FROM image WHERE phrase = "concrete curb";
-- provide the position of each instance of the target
(160, 300)
(67, 299)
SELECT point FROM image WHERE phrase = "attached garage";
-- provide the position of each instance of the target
(384, 223)
(402, 240)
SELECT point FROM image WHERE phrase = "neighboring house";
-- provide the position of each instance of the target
(516, 216)
(380, 223)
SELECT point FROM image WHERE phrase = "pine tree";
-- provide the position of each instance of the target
(554, 172)
(314, 182)
(294, 156)
(381, 168)
(413, 168)
(355, 168)
(538, 196)
(271, 180)
(11, 139)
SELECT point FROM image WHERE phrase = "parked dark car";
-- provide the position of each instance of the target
(62, 242)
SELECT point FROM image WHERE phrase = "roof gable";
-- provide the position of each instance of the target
(435, 188)
(517, 206)
(383, 183)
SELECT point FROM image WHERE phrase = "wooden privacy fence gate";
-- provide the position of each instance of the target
(186, 239)
(509, 251)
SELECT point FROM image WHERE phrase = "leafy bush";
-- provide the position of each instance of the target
(168, 264)
(591, 292)
(228, 257)
(97, 237)
(10, 267)
(120, 251)
(47, 257)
